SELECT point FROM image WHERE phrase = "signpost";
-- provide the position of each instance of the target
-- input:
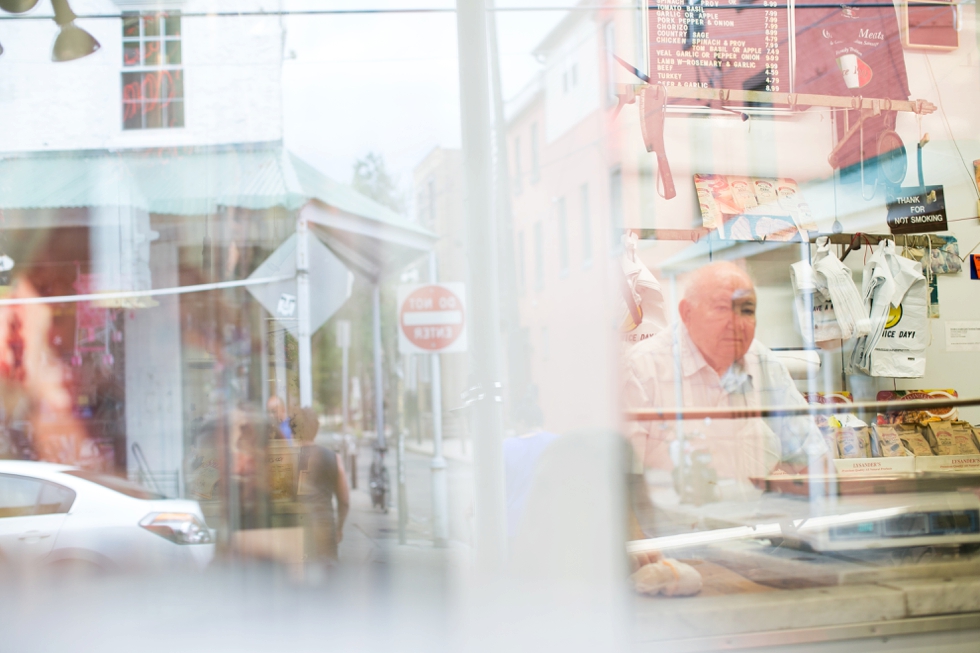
(432, 320)
(318, 286)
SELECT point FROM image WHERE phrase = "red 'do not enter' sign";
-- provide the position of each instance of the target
(432, 317)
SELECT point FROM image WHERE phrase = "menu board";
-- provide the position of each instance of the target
(723, 44)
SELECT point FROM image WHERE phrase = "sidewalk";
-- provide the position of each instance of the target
(370, 536)
(452, 449)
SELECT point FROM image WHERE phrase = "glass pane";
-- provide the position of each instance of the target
(173, 85)
(55, 499)
(175, 113)
(18, 495)
(132, 115)
(151, 25)
(132, 93)
(132, 86)
(152, 53)
(173, 52)
(131, 53)
(131, 24)
(173, 24)
(153, 114)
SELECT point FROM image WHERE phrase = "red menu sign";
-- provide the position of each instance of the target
(723, 44)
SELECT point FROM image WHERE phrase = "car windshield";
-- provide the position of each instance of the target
(116, 484)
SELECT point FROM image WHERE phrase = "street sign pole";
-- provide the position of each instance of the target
(440, 501)
(379, 391)
(432, 321)
(378, 477)
(402, 494)
(303, 307)
(343, 341)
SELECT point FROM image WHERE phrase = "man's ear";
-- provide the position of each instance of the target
(684, 309)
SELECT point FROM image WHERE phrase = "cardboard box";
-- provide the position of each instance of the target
(947, 464)
(875, 466)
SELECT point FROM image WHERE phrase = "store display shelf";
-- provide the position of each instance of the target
(948, 464)
(856, 238)
(959, 464)
(793, 101)
(868, 467)
(683, 413)
(875, 466)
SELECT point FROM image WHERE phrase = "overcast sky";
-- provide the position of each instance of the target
(389, 83)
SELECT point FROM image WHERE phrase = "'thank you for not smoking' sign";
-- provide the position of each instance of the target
(917, 210)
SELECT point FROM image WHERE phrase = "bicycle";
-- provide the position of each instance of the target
(378, 480)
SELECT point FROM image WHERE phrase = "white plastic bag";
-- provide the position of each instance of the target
(642, 312)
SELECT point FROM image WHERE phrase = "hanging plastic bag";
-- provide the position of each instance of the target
(643, 312)
(837, 312)
(896, 295)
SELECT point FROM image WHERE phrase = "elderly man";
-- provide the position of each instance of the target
(711, 359)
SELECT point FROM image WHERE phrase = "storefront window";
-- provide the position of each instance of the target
(482, 324)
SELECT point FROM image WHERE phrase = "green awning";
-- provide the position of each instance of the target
(182, 181)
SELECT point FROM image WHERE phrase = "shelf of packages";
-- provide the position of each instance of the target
(671, 414)
(694, 235)
(791, 100)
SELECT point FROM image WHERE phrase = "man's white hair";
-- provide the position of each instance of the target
(712, 275)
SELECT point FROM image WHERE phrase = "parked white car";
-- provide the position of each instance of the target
(60, 516)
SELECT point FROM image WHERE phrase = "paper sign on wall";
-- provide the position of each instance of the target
(962, 336)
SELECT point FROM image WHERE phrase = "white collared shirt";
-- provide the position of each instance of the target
(657, 378)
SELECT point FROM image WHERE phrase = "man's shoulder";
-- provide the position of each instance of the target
(760, 350)
(764, 356)
(774, 370)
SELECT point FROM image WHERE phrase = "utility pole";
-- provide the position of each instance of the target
(440, 492)
(516, 372)
(484, 312)
(303, 308)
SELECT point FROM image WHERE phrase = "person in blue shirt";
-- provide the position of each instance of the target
(279, 417)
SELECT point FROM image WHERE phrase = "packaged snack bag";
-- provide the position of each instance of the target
(940, 437)
(975, 432)
(853, 437)
(952, 438)
(913, 440)
(886, 443)
(963, 440)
